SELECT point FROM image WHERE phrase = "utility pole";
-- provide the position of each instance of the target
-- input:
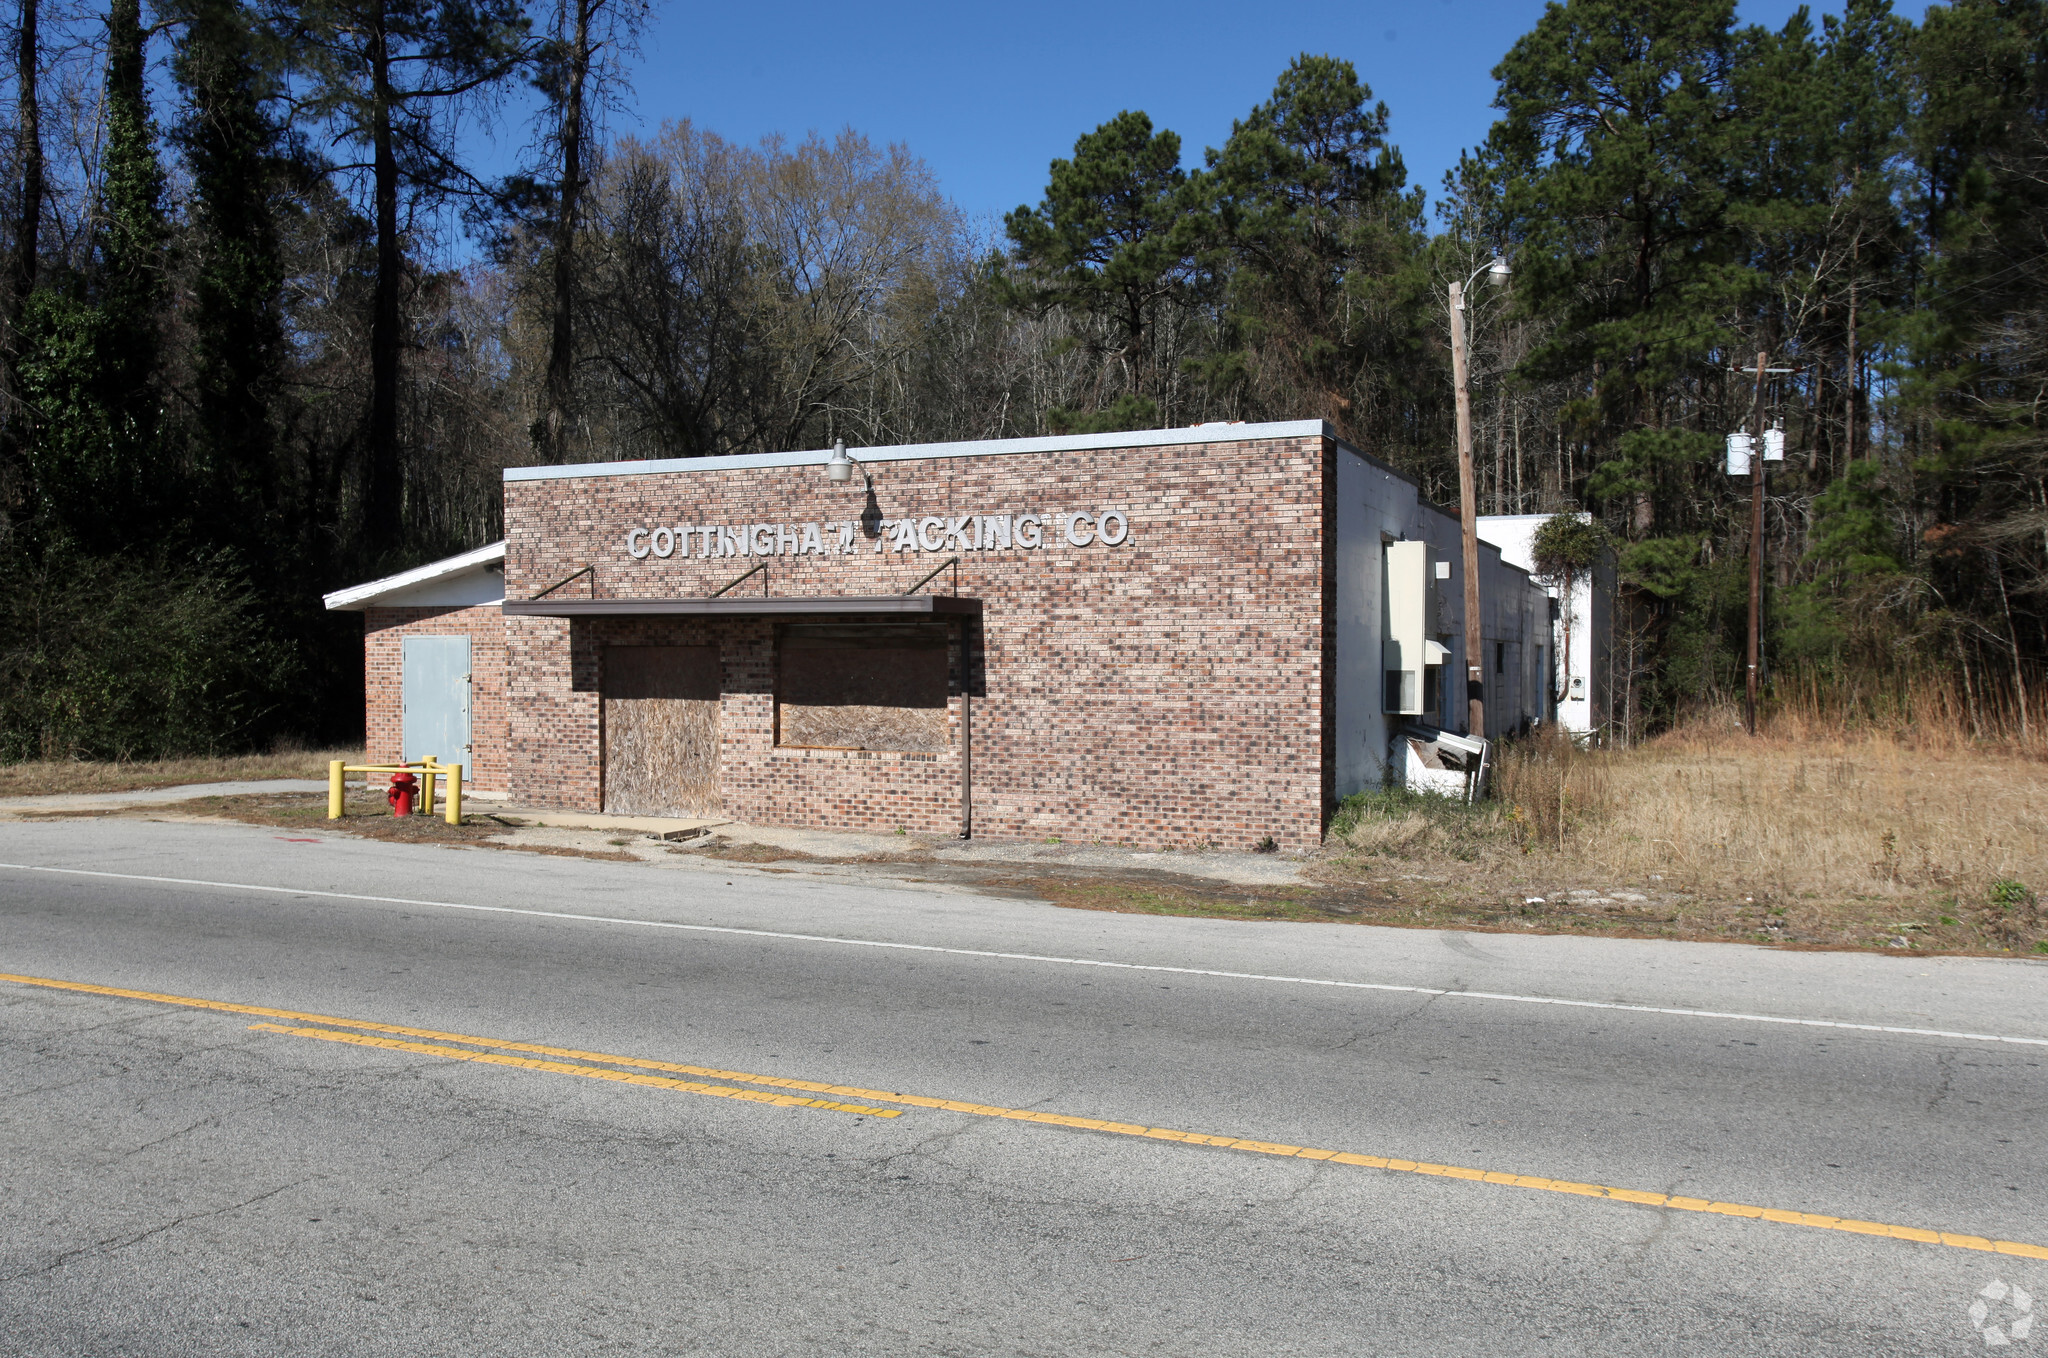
(1468, 500)
(1496, 271)
(1756, 546)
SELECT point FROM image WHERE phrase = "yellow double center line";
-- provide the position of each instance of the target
(629, 1070)
(564, 1068)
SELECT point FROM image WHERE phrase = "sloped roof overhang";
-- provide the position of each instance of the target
(356, 598)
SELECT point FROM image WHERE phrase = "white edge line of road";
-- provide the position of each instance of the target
(1058, 961)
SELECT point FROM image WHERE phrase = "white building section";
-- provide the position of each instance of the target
(1582, 634)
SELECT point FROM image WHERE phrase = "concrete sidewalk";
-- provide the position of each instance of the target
(148, 796)
(1244, 869)
(657, 827)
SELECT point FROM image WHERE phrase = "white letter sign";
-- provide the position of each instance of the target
(1072, 528)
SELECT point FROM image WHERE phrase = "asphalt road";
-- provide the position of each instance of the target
(190, 1180)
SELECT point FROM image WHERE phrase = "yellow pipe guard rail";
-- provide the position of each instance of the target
(427, 769)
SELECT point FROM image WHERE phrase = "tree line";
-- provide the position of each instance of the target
(266, 329)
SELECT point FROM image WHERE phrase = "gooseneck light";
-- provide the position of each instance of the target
(840, 467)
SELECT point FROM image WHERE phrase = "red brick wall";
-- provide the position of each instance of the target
(558, 733)
(1169, 691)
(384, 630)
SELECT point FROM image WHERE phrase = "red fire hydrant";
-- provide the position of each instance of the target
(403, 786)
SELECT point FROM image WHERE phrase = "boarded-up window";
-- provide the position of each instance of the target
(852, 687)
(661, 730)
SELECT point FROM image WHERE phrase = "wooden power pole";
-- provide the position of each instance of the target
(1468, 499)
(1756, 546)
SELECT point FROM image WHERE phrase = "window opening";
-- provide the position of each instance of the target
(863, 686)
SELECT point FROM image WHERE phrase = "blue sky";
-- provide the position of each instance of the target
(989, 94)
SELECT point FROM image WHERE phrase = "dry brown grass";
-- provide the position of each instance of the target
(1949, 711)
(48, 777)
(368, 818)
(1824, 818)
(1830, 837)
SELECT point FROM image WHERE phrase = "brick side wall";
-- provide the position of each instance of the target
(1169, 691)
(384, 631)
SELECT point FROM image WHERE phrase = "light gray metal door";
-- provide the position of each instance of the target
(436, 718)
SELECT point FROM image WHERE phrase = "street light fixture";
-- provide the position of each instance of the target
(840, 466)
(1497, 273)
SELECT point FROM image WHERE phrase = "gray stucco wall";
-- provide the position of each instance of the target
(1376, 505)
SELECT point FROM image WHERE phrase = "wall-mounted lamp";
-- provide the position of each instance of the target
(840, 467)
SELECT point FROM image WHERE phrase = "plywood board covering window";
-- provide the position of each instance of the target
(862, 687)
(661, 730)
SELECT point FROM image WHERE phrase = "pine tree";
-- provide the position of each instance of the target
(1863, 80)
(1113, 239)
(92, 364)
(574, 69)
(232, 149)
(25, 254)
(1980, 339)
(1618, 132)
(386, 75)
(1311, 209)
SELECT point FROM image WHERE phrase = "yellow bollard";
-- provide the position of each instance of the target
(428, 768)
(334, 790)
(455, 794)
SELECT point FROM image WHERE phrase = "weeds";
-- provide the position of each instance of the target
(1923, 710)
(2007, 894)
(1400, 824)
(1550, 786)
(1820, 840)
(46, 776)
(2014, 914)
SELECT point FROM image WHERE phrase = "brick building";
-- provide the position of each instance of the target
(436, 635)
(1170, 637)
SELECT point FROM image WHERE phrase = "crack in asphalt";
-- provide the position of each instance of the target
(932, 1146)
(1944, 1062)
(34, 1090)
(114, 1244)
(1661, 1219)
(210, 1120)
(1385, 1030)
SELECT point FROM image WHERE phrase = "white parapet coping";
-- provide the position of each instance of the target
(911, 452)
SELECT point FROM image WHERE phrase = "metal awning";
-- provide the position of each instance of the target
(755, 605)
